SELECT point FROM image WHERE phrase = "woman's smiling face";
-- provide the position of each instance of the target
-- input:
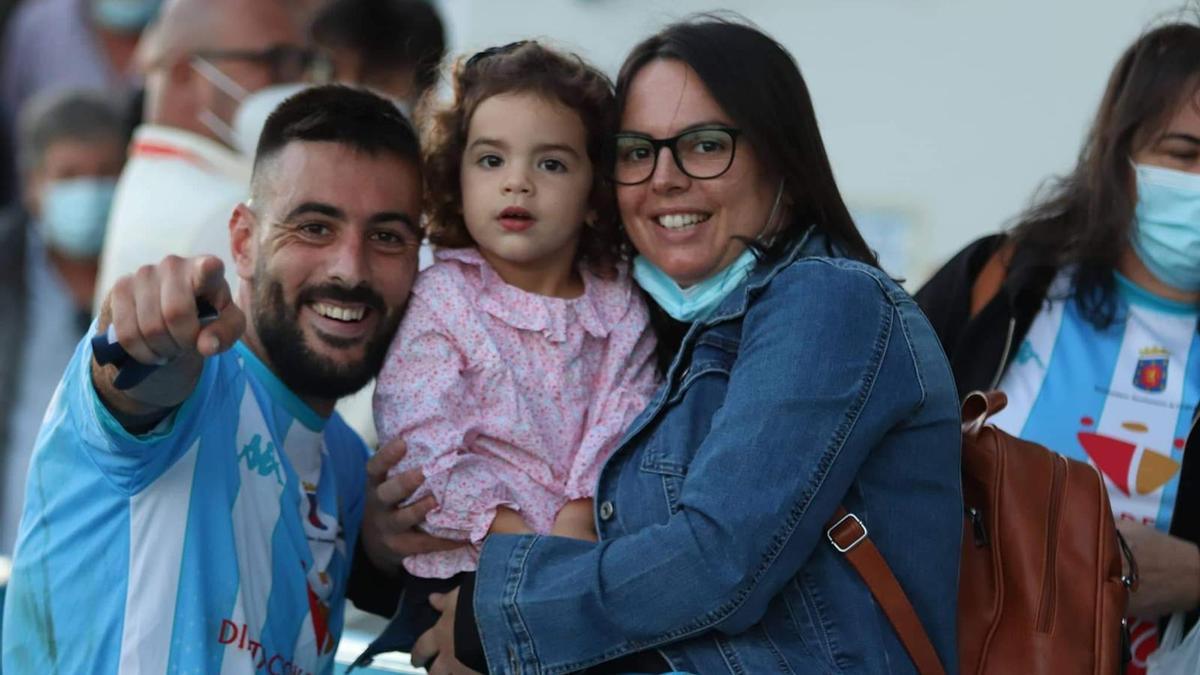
(686, 226)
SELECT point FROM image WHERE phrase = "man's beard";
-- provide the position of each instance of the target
(303, 370)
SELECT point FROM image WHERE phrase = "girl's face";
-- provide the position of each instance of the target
(526, 179)
(687, 226)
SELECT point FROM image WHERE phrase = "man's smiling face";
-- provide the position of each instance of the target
(332, 250)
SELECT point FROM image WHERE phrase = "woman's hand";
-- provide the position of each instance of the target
(434, 650)
(389, 530)
(1168, 571)
(575, 520)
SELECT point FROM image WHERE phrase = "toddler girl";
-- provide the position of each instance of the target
(525, 350)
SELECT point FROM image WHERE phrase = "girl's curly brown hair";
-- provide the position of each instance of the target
(524, 67)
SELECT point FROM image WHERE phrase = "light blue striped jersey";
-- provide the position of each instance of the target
(219, 543)
(1120, 398)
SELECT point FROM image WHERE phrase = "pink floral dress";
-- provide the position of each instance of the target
(509, 398)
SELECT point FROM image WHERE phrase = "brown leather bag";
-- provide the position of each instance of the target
(1040, 582)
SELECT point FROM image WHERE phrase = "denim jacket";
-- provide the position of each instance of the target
(816, 382)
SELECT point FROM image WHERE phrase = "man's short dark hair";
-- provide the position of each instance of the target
(336, 113)
(387, 34)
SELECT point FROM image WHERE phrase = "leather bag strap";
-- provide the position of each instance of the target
(977, 407)
(991, 278)
(849, 537)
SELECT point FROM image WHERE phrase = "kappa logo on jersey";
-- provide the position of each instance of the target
(262, 459)
(1151, 372)
(1114, 458)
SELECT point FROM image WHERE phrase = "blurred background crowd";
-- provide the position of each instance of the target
(127, 126)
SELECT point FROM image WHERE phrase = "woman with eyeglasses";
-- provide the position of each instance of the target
(799, 378)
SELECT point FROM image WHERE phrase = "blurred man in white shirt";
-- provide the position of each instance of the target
(202, 60)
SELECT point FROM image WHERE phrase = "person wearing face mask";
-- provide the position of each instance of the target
(67, 44)
(204, 62)
(393, 47)
(72, 147)
(1086, 315)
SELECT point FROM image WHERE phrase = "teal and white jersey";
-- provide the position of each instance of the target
(1121, 398)
(219, 543)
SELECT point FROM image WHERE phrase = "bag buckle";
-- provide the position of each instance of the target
(1129, 579)
(831, 533)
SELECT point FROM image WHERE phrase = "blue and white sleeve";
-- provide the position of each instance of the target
(130, 461)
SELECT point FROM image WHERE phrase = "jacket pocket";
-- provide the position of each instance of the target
(670, 470)
(808, 617)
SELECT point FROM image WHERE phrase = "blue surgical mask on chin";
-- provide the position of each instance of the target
(698, 301)
(695, 302)
(1166, 235)
(125, 16)
(75, 214)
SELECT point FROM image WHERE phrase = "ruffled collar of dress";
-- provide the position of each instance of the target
(602, 304)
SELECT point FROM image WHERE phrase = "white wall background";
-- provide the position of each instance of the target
(942, 116)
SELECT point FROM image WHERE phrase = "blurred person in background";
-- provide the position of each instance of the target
(67, 44)
(203, 60)
(1085, 314)
(72, 146)
(393, 47)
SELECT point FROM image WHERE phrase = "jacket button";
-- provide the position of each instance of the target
(606, 510)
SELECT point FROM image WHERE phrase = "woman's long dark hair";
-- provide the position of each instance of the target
(757, 83)
(1087, 216)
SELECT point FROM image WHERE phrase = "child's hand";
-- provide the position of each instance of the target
(575, 520)
(509, 522)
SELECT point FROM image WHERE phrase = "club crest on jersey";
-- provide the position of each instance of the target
(1151, 372)
(314, 513)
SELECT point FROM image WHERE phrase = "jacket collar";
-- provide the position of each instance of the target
(809, 243)
(734, 305)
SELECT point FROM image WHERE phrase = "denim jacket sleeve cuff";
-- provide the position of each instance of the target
(506, 642)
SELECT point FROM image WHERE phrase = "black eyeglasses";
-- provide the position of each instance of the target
(703, 153)
(288, 63)
(493, 51)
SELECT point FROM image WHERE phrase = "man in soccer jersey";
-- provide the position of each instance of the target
(204, 520)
